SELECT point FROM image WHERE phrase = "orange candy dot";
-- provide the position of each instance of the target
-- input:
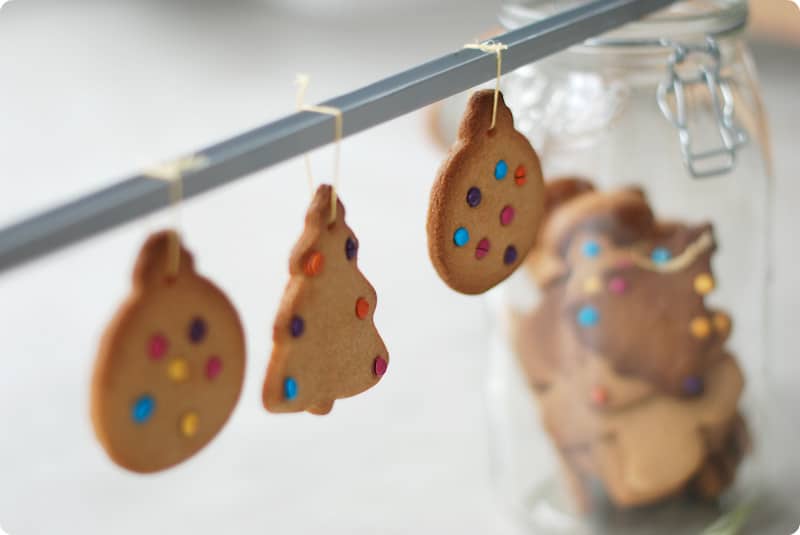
(700, 327)
(313, 265)
(519, 175)
(722, 322)
(599, 396)
(362, 308)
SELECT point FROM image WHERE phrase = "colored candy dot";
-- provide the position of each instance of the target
(693, 385)
(350, 248)
(722, 322)
(197, 330)
(599, 396)
(461, 237)
(591, 249)
(143, 409)
(362, 308)
(700, 327)
(519, 175)
(178, 370)
(510, 256)
(507, 215)
(189, 423)
(297, 326)
(588, 316)
(618, 285)
(482, 249)
(592, 285)
(661, 255)
(474, 197)
(157, 346)
(704, 284)
(213, 367)
(289, 388)
(379, 366)
(500, 170)
(313, 265)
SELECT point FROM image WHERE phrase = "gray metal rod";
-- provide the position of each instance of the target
(300, 132)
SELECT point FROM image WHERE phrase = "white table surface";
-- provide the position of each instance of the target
(93, 89)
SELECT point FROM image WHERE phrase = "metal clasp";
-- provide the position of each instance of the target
(722, 103)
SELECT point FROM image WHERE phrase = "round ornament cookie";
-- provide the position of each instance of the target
(170, 365)
(487, 201)
(325, 343)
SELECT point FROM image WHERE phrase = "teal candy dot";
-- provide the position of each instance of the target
(143, 409)
(500, 170)
(588, 316)
(289, 388)
(591, 249)
(461, 237)
(661, 255)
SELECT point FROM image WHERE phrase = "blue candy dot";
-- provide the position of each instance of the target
(143, 409)
(661, 255)
(591, 249)
(500, 170)
(588, 316)
(461, 237)
(289, 388)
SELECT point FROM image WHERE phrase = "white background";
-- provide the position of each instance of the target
(94, 89)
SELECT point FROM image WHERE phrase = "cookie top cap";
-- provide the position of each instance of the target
(153, 263)
(479, 117)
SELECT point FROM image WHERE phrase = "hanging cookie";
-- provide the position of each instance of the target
(170, 365)
(326, 346)
(487, 200)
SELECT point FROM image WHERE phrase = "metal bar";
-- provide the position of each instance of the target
(300, 132)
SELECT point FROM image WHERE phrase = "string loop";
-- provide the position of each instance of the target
(496, 48)
(173, 172)
(302, 82)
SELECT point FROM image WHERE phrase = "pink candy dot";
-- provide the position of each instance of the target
(482, 248)
(507, 215)
(617, 285)
(213, 367)
(157, 346)
(379, 366)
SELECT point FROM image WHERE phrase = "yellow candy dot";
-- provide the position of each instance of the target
(189, 423)
(700, 327)
(722, 322)
(704, 284)
(178, 370)
(592, 285)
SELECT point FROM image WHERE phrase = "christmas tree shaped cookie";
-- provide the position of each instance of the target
(170, 366)
(326, 346)
(486, 202)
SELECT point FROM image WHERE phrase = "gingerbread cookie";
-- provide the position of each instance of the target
(623, 304)
(326, 346)
(627, 363)
(649, 451)
(487, 201)
(170, 365)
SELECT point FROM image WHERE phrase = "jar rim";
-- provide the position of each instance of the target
(680, 20)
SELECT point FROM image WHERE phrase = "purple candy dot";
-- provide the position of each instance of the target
(693, 385)
(474, 197)
(197, 330)
(510, 256)
(297, 326)
(350, 248)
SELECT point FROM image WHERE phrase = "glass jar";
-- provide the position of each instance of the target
(627, 370)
